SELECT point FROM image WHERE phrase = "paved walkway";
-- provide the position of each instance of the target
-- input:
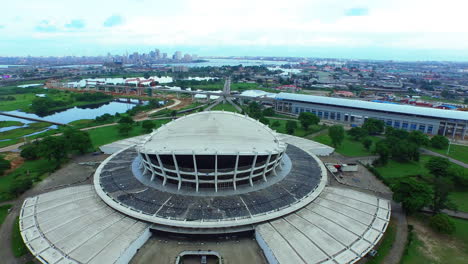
(461, 215)
(432, 153)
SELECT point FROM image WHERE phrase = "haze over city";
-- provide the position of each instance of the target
(398, 30)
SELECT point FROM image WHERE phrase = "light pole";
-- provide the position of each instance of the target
(448, 149)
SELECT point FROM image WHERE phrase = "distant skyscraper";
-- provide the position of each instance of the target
(157, 54)
(164, 56)
(177, 56)
(187, 57)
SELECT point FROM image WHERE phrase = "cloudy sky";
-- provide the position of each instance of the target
(376, 29)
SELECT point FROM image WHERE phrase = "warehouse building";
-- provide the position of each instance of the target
(431, 121)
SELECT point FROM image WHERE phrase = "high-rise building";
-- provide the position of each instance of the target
(177, 56)
(157, 54)
(164, 56)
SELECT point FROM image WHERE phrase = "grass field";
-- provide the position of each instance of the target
(22, 131)
(17, 244)
(22, 102)
(225, 107)
(299, 132)
(10, 123)
(34, 169)
(428, 246)
(461, 200)
(349, 147)
(385, 245)
(457, 152)
(4, 212)
(394, 171)
(105, 135)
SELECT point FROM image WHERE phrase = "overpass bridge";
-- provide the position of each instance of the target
(140, 91)
(32, 119)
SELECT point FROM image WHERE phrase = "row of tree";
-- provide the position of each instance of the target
(415, 194)
(57, 148)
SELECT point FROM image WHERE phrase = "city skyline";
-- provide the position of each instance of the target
(345, 29)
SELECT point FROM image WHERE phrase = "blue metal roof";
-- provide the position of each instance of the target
(365, 105)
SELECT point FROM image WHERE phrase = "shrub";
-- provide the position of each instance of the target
(442, 224)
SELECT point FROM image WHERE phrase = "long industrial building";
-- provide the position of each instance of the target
(354, 112)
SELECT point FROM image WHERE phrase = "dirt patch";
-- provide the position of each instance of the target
(15, 161)
(433, 242)
(183, 103)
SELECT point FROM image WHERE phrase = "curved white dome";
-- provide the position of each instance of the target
(213, 132)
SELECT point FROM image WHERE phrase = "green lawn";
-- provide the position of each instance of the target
(299, 132)
(461, 200)
(457, 152)
(349, 147)
(385, 245)
(22, 102)
(105, 135)
(32, 169)
(225, 107)
(10, 123)
(441, 249)
(17, 244)
(4, 212)
(395, 170)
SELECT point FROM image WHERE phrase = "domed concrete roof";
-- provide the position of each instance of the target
(224, 133)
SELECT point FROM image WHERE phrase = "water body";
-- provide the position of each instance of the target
(227, 62)
(75, 113)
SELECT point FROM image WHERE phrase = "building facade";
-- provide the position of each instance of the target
(355, 112)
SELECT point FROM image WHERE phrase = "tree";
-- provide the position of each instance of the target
(269, 111)
(438, 166)
(124, 129)
(30, 151)
(276, 124)
(374, 126)
(337, 134)
(125, 119)
(264, 120)
(4, 165)
(419, 138)
(367, 143)
(412, 194)
(439, 142)
(20, 185)
(77, 140)
(357, 133)
(307, 119)
(53, 148)
(148, 126)
(291, 126)
(382, 149)
(442, 188)
(146, 75)
(173, 113)
(442, 224)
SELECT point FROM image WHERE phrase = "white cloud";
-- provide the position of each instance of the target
(397, 23)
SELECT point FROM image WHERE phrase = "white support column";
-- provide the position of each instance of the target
(252, 168)
(266, 166)
(235, 171)
(216, 171)
(178, 172)
(162, 169)
(196, 170)
(454, 131)
(464, 132)
(153, 173)
(445, 129)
